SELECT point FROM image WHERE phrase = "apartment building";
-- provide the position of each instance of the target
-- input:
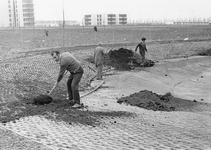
(16, 13)
(105, 19)
(55, 23)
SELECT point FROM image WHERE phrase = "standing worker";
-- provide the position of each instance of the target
(142, 47)
(68, 62)
(99, 53)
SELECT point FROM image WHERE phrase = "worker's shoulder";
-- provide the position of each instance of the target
(66, 54)
(141, 44)
(99, 48)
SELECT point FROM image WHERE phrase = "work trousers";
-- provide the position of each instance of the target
(142, 53)
(73, 85)
(99, 69)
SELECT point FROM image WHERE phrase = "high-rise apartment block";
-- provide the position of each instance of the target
(16, 13)
(105, 19)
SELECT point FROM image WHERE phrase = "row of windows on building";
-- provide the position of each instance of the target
(109, 16)
(11, 20)
(100, 23)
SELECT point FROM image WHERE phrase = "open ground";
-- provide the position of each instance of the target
(27, 70)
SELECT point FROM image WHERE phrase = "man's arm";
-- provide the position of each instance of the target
(61, 72)
(145, 47)
(136, 47)
(57, 82)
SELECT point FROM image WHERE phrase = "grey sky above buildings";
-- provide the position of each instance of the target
(136, 9)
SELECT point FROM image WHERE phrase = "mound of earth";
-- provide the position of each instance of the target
(153, 101)
(205, 53)
(121, 59)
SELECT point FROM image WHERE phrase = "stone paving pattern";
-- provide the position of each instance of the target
(146, 130)
(17, 74)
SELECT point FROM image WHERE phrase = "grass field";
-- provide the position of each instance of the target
(35, 38)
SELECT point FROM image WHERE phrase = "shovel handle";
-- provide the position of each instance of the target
(55, 86)
(51, 90)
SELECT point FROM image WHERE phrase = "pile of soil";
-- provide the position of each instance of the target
(153, 101)
(119, 59)
(205, 53)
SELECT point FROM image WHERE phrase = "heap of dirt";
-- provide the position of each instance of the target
(123, 59)
(205, 53)
(153, 101)
(119, 59)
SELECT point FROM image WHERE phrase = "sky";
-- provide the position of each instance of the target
(136, 9)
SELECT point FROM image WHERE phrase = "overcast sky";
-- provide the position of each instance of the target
(136, 9)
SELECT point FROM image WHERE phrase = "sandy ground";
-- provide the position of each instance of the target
(184, 78)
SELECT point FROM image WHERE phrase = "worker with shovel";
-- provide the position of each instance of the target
(69, 63)
(142, 48)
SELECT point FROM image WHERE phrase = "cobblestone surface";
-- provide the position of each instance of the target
(147, 130)
(11, 141)
(35, 73)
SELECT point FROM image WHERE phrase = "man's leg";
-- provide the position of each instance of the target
(75, 85)
(99, 71)
(142, 53)
(69, 87)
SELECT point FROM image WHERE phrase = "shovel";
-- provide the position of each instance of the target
(49, 93)
(45, 98)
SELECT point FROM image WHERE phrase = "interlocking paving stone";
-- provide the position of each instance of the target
(155, 131)
(147, 130)
(18, 76)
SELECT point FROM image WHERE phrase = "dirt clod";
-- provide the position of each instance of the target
(42, 99)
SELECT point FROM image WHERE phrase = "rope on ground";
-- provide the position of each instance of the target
(89, 92)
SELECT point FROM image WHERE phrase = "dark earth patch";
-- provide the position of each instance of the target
(153, 101)
(57, 110)
(42, 99)
(205, 53)
(119, 59)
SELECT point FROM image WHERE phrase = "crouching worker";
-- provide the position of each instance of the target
(69, 63)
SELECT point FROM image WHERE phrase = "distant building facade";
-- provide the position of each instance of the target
(105, 19)
(16, 13)
(55, 23)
